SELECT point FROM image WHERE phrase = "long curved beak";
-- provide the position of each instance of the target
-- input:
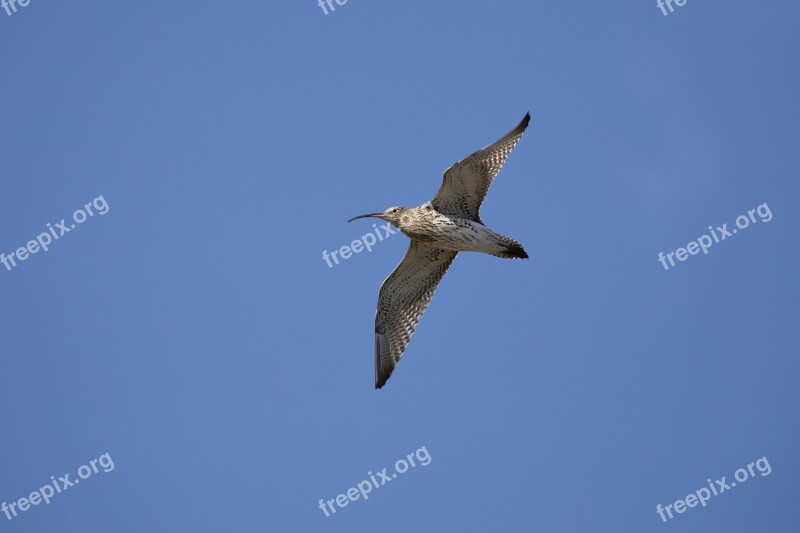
(376, 215)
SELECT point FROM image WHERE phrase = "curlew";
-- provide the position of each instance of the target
(439, 229)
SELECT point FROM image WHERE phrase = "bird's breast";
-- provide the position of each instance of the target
(451, 233)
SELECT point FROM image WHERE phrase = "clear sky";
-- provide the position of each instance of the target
(195, 334)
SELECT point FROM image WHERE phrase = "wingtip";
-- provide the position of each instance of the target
(381, 379)
(525, 121)
(382, 373)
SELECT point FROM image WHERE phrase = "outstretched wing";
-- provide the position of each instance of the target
(403, 298)
(466, 183)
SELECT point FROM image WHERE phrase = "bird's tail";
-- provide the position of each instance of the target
(511, 249)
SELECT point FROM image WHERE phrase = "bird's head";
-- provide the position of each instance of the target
(397, 216)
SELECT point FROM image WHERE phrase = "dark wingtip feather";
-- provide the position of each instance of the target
(524, 124)
(381, 378)
(382, 372)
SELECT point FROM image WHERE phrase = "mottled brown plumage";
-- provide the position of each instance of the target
(439, 229)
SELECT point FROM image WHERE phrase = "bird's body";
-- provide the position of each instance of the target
(449, 232)
(439, 229)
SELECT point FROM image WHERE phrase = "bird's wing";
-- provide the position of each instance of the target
(466, 183)
(403, 298)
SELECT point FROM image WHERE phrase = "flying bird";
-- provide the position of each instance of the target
(439, 229)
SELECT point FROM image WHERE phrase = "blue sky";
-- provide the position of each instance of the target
(195, 334)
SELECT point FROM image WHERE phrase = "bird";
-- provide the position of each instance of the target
(439, 230)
